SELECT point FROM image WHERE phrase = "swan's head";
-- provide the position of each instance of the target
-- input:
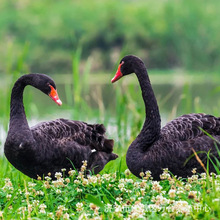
(47, 86)
(127, 66)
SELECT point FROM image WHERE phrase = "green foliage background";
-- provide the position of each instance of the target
(166, 34)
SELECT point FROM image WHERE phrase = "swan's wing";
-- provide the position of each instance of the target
(63, 132)
(187, 127)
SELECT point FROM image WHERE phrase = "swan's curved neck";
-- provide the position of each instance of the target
(152, 125)
(18, 119)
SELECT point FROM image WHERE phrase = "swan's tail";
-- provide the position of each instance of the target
(99, 128)
(108, 145)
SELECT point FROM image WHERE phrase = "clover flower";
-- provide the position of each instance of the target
(154, 208)
(58, 175)
(79, 206)
(193, 195)
(127, 172)
(39, 192)
(67, 180)
(165, 175)
(72, 172)
(31, 185)
(160, 200)
(47, 184)
(8, 185)
(92, 179)
(35, 203)
(21, 210)
(83, 167)
(50, 215)
(58, 191)
(48, 178)
(106, 176)
(58, 182)
(172, 193)
(143, 184)
(85, 182)
(8, 196)
(138, 210)
(187, 187)
(79, 190)
(141, 174)
(194, 170)
(63, 169)
(121, 186)
(181, 207)
(66, 216)
(156, 186)
(42, 208)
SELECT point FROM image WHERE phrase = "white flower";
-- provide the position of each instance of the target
(30, 184)
(77, 182)
(106, 177)
(156, 186)
(121, 186)
(79, 206)
(66, 216)
(79, 190)
(72, 172)
(188, 186)
(160, 200)
(92, 179)
(154, 207)
(203, 175)
(35, 202)
(8, 196)
(39, 192)
(42, 208)
(58, 175)
(138, 210)
(127, 172)
(47, 178)
(85, 182)
(58, 191)
(62, 208)
(194, 170)
(172, 193)
(50, 215)
(181, 207)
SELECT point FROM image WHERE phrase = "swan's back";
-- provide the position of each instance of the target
(191, 126)
(64, 131)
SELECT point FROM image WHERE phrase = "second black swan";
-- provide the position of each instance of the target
(51, 146)
(172, 146)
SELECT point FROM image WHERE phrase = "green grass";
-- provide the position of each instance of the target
(114, 195)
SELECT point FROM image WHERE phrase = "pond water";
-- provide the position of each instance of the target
(180, 100)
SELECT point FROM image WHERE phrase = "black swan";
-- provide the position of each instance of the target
(51, 146)
(169, 147)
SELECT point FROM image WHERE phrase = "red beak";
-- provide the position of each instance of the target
(118, 74)
(54, 96)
